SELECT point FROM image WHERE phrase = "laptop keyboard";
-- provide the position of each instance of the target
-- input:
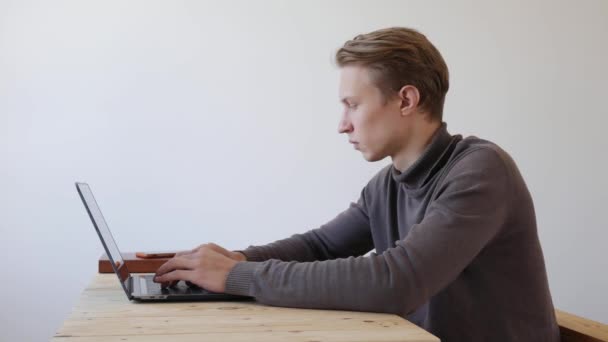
(180, 288)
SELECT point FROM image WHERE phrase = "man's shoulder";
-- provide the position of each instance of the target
(474, 152)
(470, 153)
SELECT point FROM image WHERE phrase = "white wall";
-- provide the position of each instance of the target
(216, 121)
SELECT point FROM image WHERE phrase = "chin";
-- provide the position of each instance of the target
(370, 157)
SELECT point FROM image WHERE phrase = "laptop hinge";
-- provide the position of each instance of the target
(130, 286)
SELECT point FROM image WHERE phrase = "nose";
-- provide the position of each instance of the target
(345, 125)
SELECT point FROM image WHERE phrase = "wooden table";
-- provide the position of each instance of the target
(103, 313)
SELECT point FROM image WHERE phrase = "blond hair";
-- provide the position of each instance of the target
(400, 56)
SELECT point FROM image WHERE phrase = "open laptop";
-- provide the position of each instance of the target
(140, 287)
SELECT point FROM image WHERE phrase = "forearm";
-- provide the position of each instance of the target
(376, 283)
(294, 248)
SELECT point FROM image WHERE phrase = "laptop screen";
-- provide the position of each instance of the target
(120, 268)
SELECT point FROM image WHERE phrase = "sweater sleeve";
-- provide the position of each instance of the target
(348, 234)
(468, 212)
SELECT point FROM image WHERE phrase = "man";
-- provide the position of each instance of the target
(451, 220)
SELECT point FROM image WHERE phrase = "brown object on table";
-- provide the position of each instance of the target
(154, 255)
(134, 264)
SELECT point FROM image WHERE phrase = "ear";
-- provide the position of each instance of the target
(410, 97)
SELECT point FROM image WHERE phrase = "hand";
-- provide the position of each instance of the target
(206, 266)
(232, 255)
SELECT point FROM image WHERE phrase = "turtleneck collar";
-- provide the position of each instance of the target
(431, 159)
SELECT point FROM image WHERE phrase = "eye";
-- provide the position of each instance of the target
(348, 104)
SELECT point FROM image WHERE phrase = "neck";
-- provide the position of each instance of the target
(420, 135)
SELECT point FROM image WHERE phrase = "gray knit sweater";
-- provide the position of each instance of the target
(457, 250)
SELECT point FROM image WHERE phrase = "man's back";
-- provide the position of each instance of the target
(505, 278)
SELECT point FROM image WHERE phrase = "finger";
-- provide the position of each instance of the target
(171, 284)
(165, 284)
(174, 264)
(176, 275)
(191, 284)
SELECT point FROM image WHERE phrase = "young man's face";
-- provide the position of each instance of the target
(372, 124)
